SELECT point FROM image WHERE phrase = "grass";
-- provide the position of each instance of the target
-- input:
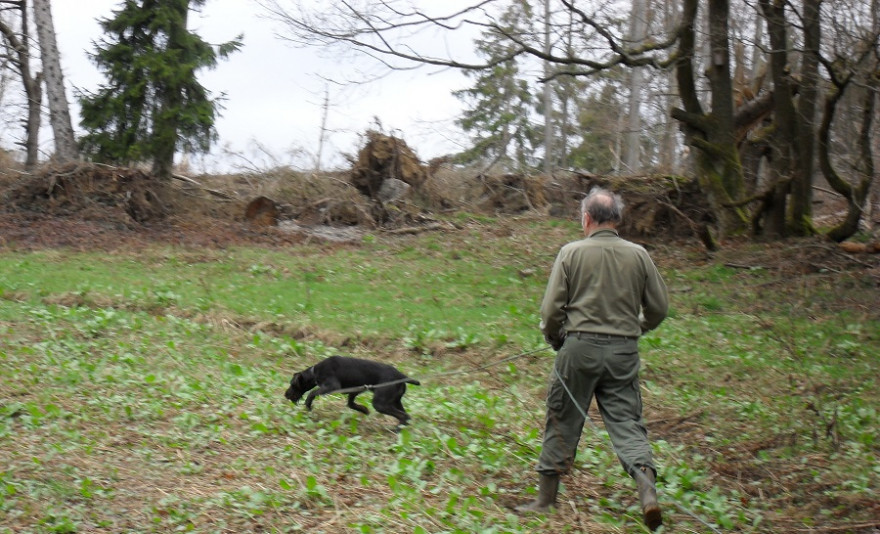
(142, 392)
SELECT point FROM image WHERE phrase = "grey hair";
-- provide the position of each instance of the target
(603, 206)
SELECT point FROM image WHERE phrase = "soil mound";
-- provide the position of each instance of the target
(262, 211)
(100, 207)
(123, 196)
(388, 188)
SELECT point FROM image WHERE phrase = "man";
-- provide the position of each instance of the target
(603, 293)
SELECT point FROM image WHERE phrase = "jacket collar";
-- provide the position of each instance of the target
(604, 232)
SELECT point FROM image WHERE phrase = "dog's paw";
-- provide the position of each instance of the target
(400, 427)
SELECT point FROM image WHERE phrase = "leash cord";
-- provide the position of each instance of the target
(370, 387)
(596, 429)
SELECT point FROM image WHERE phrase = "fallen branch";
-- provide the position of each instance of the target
(859, 248)
(703, 233)
(830, 192)
(841, 528)
(214, 192)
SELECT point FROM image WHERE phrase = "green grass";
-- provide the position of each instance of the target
(369, 291)
(141, 391)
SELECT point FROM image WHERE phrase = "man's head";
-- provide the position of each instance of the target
(601, 208)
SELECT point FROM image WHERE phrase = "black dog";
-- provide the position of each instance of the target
(339, 372)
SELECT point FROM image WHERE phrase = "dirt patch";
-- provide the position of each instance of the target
(262, 211)
(100, 208)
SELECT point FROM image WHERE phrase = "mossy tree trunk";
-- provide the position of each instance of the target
(856, 195)
(787, 202)
(802, 188)
(712, 134)
(784, 163)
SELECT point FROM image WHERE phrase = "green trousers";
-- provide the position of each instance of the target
(606, 367)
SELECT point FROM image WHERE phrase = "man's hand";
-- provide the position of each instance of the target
(556, 342)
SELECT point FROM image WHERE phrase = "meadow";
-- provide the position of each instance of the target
(141, 390)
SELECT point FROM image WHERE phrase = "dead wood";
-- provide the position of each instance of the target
(208, 190)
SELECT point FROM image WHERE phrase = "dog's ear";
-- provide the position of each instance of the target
(296, 380)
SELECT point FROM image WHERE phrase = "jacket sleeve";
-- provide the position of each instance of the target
(554, 303)
(655, 301)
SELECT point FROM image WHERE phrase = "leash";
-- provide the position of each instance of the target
(371, 387)
(583, 412)
(608, 438)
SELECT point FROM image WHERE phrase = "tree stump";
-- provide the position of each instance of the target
(262, 211)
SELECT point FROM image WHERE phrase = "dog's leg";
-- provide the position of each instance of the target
(310, 398)
(387, 401)
(401, 415)
(328, 386)
(355, 406)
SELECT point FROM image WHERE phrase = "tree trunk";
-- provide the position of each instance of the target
(784, 118)
(670, 150)
(322, 133)
(548, 97)
(32, 86)
(170, 99)
(632, 136)
(858, 194)
(802, 187)
(59, 113)
(717, 162)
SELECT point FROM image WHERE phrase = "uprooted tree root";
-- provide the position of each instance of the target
(128, 195)
(387, 189)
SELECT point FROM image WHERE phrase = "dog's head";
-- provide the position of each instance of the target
(299, 385)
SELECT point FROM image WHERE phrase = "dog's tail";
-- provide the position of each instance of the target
(413, 381)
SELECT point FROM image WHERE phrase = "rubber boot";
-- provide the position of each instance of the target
(645, 479)
(548, 486)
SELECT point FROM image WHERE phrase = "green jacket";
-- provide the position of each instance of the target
(603, 284)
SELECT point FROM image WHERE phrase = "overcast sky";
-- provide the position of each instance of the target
(274, 93)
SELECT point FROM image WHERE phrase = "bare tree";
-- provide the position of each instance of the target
(59, 111)
(713, 122)
(322, 135)
(853, 67)
(638, 27)
(548, 96)
(19, 55)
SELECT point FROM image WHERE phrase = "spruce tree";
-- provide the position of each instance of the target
(151, 104)
(500, 102)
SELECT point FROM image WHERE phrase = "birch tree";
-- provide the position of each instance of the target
(638, 27)
(59, 110)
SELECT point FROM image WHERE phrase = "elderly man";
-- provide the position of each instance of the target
(603, 293)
